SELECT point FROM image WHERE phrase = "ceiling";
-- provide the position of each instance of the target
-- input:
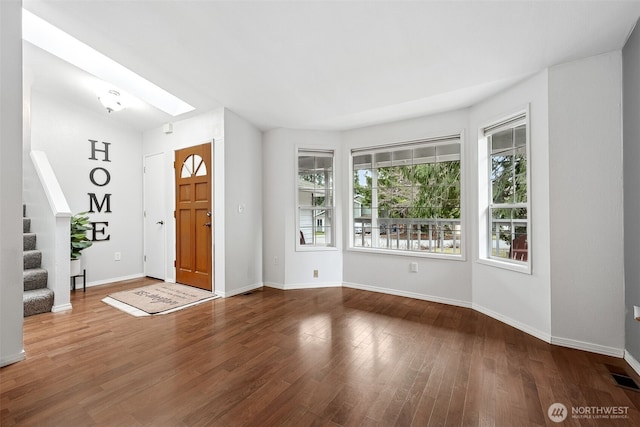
(323, 64)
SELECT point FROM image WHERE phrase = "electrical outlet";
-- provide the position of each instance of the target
(117, 256)
(315, 273)
(413, 267)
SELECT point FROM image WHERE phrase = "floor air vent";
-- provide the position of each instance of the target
(626, 382)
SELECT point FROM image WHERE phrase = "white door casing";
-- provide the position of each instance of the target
(155, 223)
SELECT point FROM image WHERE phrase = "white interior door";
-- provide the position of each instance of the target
(154, 216)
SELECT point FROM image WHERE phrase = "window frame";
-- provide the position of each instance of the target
(434, 140)
(485, 195)
(328, 152)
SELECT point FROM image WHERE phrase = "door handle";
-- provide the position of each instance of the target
(160, 222)
(208, 224)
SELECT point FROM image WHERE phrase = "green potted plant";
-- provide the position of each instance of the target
(79, 240)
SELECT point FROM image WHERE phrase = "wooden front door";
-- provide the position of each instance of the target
(194, 219)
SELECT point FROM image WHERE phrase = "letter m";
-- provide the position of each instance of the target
(93, 202)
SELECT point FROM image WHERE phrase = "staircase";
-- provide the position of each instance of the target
(37, 298)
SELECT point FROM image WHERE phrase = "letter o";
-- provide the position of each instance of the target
(107, 176)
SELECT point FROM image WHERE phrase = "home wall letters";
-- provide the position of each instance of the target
(99, 177)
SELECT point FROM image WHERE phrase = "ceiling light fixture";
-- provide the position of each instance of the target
(40, 33)
(111, 101)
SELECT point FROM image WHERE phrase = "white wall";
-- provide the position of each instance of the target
(437, 279)
(631, 84)
(275, 201)
(243, 205)
(186, 133)
(586, 203)
(11, 349)
(63, 132)
(519, 299)
(284, 266)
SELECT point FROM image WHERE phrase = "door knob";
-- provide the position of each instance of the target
(160, 222)
(208, 224)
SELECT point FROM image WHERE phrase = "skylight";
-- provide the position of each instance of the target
(40, 33)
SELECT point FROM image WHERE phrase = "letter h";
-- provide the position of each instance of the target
(94, 149)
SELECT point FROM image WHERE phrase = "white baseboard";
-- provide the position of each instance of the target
(587, 346)
(514, 323)
(546, 337)
(274, 285)
(14, 358)
(431, 298)
(303, 286)
(109, 281)
(61, 307)
(238, 291)
(635, 365)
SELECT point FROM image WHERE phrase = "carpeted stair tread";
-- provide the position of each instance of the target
(32, 259)
(37, 301)
(28, 241)
(35, 278)
(36, 298)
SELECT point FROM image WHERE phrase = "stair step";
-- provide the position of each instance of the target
(31, 259)
(35, 278)
(28, 241)
(26, 225)
(37, 301)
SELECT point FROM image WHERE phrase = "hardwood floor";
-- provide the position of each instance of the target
(334, 357)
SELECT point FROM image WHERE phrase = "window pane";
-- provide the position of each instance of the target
(409, 200)
(448, 152)
(315, 198)
(502, 178)
(316, 227)
(324, 163)
(328, 179)
(501, 236)
(497, 214)
(382, 160)
(501, 141)
(424, 155)
(520, 171)
(402, 157)
(520, 136)
(509, 233)
(362, 162)
(305, 164)
(508, 198)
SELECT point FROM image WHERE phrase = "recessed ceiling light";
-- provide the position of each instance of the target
(40, 33)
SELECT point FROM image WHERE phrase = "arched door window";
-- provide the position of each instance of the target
(193, 166)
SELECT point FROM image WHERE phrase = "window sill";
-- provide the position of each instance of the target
(519, 267)
(456, 257)
(311, 248)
